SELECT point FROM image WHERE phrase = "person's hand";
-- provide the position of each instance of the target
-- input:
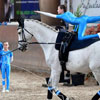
(58, 27)
(36, 11)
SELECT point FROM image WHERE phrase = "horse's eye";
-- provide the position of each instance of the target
(19, 31)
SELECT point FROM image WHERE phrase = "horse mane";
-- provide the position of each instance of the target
(44, 24)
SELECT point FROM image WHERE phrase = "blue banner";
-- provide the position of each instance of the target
(28, 7)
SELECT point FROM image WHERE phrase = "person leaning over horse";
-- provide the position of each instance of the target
(81, 21)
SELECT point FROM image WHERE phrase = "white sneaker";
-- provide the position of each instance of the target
(7, 90)
(3, 90)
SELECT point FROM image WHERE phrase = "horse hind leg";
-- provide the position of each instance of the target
(95, 68)
(94, 65)
(96, 73)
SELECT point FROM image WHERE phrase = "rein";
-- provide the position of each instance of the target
(11, 51)
(35, 42)
(42, 43)
(28, 31)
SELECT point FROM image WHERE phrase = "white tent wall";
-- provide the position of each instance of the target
(66, 3)
(89, 7)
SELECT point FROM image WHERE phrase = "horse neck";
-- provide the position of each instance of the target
(43, 34)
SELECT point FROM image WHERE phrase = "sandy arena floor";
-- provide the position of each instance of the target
(26, 86)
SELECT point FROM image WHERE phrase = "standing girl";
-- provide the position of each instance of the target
(7, 58)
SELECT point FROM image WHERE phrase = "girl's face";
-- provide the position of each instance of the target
(60, 11)
(6, 45)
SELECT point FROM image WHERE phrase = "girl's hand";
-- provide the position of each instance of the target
(37, 11)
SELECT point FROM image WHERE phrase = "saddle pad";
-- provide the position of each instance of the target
(79, 44)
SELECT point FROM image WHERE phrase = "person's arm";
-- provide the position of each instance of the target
(11, 57)
(46, 14)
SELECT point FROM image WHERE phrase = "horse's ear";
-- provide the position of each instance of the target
(21, 22)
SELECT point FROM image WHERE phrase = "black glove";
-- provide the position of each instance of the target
(58, 27)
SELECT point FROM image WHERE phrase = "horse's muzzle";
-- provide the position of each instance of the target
(23, 47)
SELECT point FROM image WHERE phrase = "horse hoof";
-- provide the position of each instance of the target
(71, 98)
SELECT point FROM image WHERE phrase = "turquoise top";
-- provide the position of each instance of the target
(6, 58)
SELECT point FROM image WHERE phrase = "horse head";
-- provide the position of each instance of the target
(22, 40)
(22, 43)
(29, 28)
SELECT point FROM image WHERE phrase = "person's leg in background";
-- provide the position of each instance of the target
(8, 77)
(0, 65)
(3, 77)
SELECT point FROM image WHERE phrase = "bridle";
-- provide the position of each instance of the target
(23, 35)
(23, 43)
(24, 40)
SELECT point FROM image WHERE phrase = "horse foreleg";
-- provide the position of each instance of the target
(53, 83)
(50, 93)
(50, 89)
(96, 96)
(58, 93)
(55, 80)
(61, 95)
